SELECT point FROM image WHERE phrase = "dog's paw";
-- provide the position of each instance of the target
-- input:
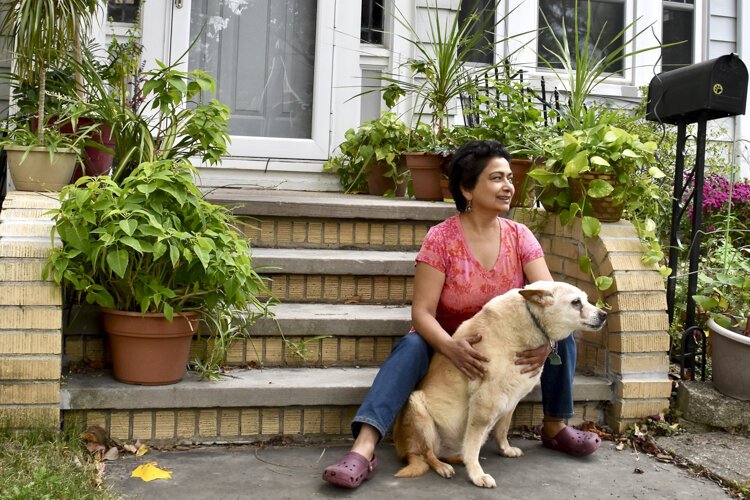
(445, 470)
(484, 481)
(511, 452)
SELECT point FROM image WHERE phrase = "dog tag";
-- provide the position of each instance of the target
(554, 358)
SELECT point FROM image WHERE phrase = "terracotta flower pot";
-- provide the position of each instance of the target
(148, 349)
(523, 195)
(425, 175)
(378, 184)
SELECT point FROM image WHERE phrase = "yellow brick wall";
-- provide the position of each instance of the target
(30, 315)
(632, 351)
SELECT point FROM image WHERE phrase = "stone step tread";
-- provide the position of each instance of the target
(350, 320)
(280, 203)
(272, 387)
(333, 261)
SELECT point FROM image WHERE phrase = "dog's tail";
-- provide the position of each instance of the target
(416, 467)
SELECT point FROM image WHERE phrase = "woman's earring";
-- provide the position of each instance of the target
(468, 206)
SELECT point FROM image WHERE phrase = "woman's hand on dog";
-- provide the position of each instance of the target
(533, 359)
(468, 360)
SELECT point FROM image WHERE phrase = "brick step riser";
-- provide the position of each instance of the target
(341, 289)
(302, 232)
(89, 351)
(254, 424)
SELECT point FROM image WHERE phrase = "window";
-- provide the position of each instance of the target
(480, 15)
(372, 22)
(677, 26)
(607, 20)
(123, 11)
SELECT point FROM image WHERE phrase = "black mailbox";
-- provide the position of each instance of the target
(703, 91)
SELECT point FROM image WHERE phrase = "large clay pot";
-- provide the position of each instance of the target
(378, 184)
(603, 209)
(148, 349)
(35, 172)
(730, 358)
(425, 175)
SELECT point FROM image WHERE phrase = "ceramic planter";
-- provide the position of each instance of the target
(148, 349)
(425, 175)
(730, 358)
(35, 172)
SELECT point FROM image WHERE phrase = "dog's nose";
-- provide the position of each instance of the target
(602, 316)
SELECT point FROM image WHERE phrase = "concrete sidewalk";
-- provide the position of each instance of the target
(229, 472)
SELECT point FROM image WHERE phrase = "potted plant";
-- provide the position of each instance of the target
(437, 76)
(40, 35)
(507, 113)
(370, 157)
(154, 255)
(41, 163)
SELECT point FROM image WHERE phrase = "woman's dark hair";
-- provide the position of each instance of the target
(467, 163)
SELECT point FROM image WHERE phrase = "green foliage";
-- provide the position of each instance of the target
(19, 134)
(507, 114)
(47, 464)
(155, 245)
(382, 139)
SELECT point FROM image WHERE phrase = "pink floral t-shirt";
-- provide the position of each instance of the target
(468, 286)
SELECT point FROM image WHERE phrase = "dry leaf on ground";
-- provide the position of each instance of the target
(151, 471)
(142, 450)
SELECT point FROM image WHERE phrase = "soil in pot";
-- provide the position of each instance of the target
(148, 349)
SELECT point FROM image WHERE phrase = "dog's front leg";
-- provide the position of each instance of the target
(481, 415)
(501, 436)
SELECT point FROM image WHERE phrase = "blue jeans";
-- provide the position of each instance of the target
(408, 363)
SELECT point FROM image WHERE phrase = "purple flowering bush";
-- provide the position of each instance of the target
(717, 190)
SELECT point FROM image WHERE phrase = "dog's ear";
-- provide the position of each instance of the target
(540, 297)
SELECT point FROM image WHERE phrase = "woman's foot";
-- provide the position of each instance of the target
(351, 471)
(569, 440)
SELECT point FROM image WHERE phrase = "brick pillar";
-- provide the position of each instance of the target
(632, 351)
(30, 315)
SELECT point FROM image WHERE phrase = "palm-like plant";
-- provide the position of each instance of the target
(440, 72)
(586, 65)
(41, 33)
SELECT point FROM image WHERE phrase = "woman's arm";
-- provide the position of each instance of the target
(428, 284)
(537, 270)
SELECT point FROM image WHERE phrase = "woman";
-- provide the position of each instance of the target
(464, 262)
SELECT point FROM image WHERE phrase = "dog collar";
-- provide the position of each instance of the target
(554, 357)
(536, 323)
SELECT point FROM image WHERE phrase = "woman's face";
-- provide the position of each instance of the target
(494, 187)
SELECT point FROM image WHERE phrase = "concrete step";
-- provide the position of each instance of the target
(280, 203)
(284, 219)
(250, 405)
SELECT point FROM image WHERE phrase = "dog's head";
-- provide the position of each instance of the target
(561, 308)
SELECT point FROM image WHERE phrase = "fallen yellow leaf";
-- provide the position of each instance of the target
(150, 471)
(141, 450)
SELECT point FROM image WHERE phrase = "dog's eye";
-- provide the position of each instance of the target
(576, 303)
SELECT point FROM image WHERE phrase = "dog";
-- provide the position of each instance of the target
(450, 416)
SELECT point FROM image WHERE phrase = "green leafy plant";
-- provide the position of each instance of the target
(380, 140)
(155, 245)
(53, 140)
